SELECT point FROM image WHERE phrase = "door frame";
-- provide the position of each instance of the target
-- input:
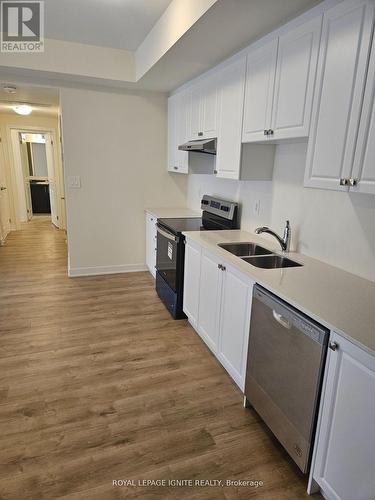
(58, 171)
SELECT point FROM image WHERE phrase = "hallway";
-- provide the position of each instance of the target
(98, 383)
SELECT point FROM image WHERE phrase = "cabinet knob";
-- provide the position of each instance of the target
(344, 182)
(333, 346)
(200, 134)
(270, 132)
(353, 182)
(223, 268)
(175, 168)
(215, 171)
(266, 132)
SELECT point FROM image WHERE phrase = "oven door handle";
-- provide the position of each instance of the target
(167, 235)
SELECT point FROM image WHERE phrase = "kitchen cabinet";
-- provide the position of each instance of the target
(280, 83)
(345, 449)
(363, 173)
(260, 78)
(217, 301)
(205, 108)
(178, 129)
(228, 158)
(209, 300)
(151, 243)
(235, 312)
(342, 68)
(191, 281)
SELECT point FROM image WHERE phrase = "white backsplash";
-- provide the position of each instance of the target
(335, 227)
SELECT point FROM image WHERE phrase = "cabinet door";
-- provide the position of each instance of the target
(151, 243)
(295, 77)
(364, 161)
(182, 136)
(191, 282)
(345, 456)
(260, 79)
(228, 158)
(235, 313)
(172, 133)
(209, 300)
(210, 106)
(195, 111)
(346, 38)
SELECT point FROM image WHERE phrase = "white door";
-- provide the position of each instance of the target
(260, 79)
(228, 158)
(182, 127)
(210, 106)
(151, 243)
(345, 457)
(235, 309)
(4, 200)
(195, 111)
(172, 133)
(191, 281)
(295, 77)
(364, 160)
(209, 300)
(346, 38)
(51, 180)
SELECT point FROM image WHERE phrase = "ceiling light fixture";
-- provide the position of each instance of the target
(22, 109)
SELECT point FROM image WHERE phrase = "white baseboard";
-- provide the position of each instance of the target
(98, 270)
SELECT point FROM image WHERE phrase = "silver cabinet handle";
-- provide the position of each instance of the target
(353, 182)
(333, 346)
(270, 132)
(344, 182)
(266, 132)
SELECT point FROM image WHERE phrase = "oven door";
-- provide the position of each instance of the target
(166, 255)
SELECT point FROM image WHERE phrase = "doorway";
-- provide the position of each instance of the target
(35, 173)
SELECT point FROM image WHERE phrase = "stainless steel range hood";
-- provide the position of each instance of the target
(207, 146)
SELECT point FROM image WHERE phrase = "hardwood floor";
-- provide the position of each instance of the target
(98, 383)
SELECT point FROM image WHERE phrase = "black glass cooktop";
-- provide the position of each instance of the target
(183, 224)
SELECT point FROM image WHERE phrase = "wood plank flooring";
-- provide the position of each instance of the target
(98, 383)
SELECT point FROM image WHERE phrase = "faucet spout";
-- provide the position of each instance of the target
(284, 240)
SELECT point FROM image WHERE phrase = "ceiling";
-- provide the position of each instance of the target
(45, 100)
(120, 24)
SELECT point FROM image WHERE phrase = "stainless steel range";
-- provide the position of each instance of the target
(217, 214)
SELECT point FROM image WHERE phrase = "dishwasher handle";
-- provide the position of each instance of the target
(281, 320)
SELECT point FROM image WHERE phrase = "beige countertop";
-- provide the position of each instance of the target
(335, 298)
(160, 213)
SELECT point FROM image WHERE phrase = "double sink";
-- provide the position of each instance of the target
(258, 256)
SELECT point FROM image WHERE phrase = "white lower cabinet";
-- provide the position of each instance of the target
(191, 281)
(217, 301)
(151, 243)
(235, 311)
(344, 464)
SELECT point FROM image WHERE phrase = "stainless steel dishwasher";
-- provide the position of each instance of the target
(285, 365)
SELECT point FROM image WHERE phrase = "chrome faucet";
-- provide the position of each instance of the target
(284, 241)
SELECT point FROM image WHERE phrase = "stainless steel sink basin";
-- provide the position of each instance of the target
(271, 261)
(244, 249)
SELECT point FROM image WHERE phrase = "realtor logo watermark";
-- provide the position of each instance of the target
(22, 26)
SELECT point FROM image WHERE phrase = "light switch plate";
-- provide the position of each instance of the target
(74, 181)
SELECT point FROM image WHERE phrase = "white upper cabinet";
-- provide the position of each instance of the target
(294, 84)
(205, 108)
(342, 67)
(345, 449)
(364, 162)
(228, 158)
(260, 79)
(178, 129)
(280, 80)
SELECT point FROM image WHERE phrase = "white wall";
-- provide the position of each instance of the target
(335, 227)
(116, 143)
